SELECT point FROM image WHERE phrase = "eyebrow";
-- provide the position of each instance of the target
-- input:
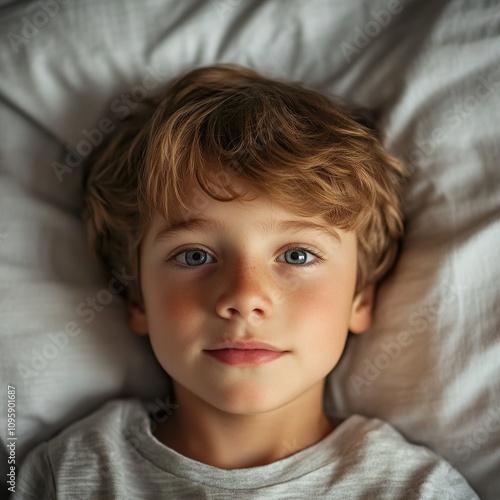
(209, 226)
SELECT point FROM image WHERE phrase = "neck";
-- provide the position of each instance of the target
(235, 441)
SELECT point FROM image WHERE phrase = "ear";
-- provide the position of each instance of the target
(361, 310)
(137, 320)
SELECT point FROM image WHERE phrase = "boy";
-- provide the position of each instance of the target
(258, 218)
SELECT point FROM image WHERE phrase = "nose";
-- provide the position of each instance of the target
(246, 294)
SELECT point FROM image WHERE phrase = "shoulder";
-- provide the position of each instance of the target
(111, 419)
(377, 433)
(374, 448)
(372, 437)
(85, 448)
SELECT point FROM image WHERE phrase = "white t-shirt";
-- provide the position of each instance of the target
(112, 454)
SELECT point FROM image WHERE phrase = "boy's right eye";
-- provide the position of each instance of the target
(193, 257)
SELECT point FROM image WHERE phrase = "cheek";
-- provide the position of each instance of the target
(173, 322)
(320, 318)
(178, 307)
(320, 301)
(174, 313)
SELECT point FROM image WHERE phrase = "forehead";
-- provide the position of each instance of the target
(250, 202)
(258, 214)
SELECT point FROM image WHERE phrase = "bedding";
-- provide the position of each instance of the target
(70, 71)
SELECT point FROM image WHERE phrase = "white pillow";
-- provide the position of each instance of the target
(429, 363)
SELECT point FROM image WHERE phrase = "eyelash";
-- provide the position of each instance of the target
(294, 246)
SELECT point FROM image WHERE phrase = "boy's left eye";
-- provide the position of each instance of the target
(297, 256)
(193, 257)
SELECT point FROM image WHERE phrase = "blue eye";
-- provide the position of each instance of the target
(298, 256)
(194, 257)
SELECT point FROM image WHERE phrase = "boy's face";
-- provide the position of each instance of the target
(244, 283)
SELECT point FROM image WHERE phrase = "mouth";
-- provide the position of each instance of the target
(234, 357)
(246, 345)
(249, 352)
